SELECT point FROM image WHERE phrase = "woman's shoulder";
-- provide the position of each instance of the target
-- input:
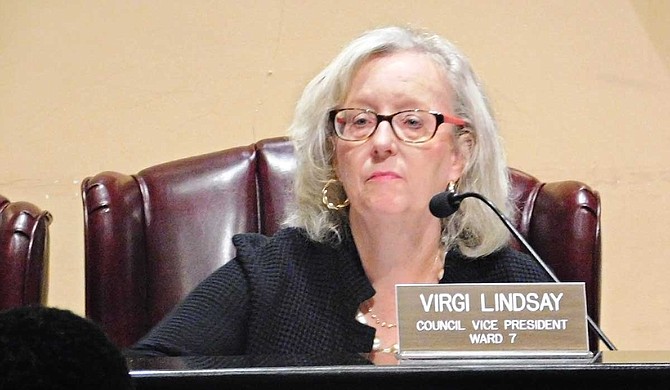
(287, 256)
(250, 244)
(505, 265)
(288, 245)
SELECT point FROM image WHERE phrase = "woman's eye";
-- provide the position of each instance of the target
(412, 122)
(361, 121)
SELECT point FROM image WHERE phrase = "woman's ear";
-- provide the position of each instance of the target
(465, 145)
(466, 142)
(333, 154)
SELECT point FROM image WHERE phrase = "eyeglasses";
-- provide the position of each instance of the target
(410, 126)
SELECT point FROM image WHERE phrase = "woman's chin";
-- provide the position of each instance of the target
(386, 206)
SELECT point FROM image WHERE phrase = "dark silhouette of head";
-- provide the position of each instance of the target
(49, 348)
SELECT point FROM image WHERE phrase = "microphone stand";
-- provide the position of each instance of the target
(456, 200)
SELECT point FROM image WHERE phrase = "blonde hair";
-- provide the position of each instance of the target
(474, 229)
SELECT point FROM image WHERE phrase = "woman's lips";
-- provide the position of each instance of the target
(386, 175)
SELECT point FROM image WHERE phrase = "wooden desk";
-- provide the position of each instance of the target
(618, 369)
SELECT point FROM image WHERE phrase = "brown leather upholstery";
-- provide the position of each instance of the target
(151, 237)
(24, 254)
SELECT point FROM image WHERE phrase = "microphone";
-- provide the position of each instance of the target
(446, 203)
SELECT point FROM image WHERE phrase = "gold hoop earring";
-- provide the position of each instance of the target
(330, 205)
(452, 187)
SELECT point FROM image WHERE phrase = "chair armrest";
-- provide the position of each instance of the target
(572, 211)
(24, 254)
(115, 255)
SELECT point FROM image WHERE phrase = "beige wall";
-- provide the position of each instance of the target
(581, 89)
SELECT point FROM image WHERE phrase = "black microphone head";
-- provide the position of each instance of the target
(443, 205)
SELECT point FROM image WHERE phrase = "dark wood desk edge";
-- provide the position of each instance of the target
(400, 369)
(429, 374)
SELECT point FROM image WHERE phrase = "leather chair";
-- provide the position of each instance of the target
(153, 236)
(24, 254)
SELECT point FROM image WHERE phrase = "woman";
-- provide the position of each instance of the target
(396, 118)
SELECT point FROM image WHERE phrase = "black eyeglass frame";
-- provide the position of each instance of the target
(439, 119)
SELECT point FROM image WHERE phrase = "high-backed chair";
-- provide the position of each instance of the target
(24, 254)
(153, 236)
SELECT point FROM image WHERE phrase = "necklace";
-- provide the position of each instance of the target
(377, 342)
(360, 316)
(378, 320)
(377, 347)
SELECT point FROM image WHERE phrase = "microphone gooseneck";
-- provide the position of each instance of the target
(446, 203)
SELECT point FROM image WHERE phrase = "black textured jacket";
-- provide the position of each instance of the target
(287, 294)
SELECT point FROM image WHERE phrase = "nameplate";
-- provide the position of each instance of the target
(492, 320)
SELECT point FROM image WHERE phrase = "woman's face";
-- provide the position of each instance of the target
(383, 174)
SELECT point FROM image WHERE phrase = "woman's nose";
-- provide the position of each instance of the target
(384, 141)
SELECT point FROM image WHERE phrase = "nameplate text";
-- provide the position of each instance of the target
(492, 318)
